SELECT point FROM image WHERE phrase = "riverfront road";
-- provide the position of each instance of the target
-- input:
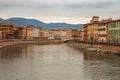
(4, 43)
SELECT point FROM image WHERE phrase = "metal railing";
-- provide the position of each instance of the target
(98, 43)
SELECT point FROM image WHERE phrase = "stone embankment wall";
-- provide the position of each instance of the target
(105, 47)
(99, 49)
(13, 42)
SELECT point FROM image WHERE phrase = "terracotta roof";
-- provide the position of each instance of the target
(21, 27)
(117, 20)
(6, 23)
(43, 29)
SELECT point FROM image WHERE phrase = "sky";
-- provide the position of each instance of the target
(68, 11)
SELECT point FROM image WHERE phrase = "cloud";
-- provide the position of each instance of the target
(50, 2)
(64, 19)
(60, 8)
(58, 3)
(25, 5)
(92, 5)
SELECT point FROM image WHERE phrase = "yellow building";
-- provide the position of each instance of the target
(103, 30)
(29, 32)
(44, 33)
(85, 32)
(61, 33)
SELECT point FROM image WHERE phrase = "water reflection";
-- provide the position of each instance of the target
(17, 51)
(102, 67)
(55, 62)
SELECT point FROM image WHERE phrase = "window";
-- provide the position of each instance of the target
(102, 35)
(101, 29)
(101, 24)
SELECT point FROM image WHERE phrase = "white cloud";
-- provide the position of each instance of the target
(73, 20)
(70, 11)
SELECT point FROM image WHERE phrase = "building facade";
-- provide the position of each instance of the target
(8, 31)
(61, 33)
(22, 32)
(114, 31)
(29, 32)
(91, 30)
(1, 33)
(85, 32)
(102, 32)
(75, 33)
(44, 34)
(35, 33)
(81, 31)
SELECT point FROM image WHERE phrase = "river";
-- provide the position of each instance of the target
(55, 62)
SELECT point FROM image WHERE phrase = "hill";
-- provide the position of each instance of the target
(24, 21)
(1, 20)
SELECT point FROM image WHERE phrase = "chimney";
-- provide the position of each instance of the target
(95, 19)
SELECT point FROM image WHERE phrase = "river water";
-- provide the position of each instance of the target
(55, 62)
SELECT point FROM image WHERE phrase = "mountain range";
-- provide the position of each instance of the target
(37, 23)
(1, 20)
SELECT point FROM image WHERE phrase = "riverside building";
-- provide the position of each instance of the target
(103, 30)
(8, 30)
(86, 32)
(114, 31)
(91, 30)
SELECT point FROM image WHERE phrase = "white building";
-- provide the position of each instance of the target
(35, 32)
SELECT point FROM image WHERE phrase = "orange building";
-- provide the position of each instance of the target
(75, 33)
(22, 32)
(85, 32)
(44, 33)
(96, 30)
(8, 30)
(91, 29)
(1, 33)
(81, 31)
